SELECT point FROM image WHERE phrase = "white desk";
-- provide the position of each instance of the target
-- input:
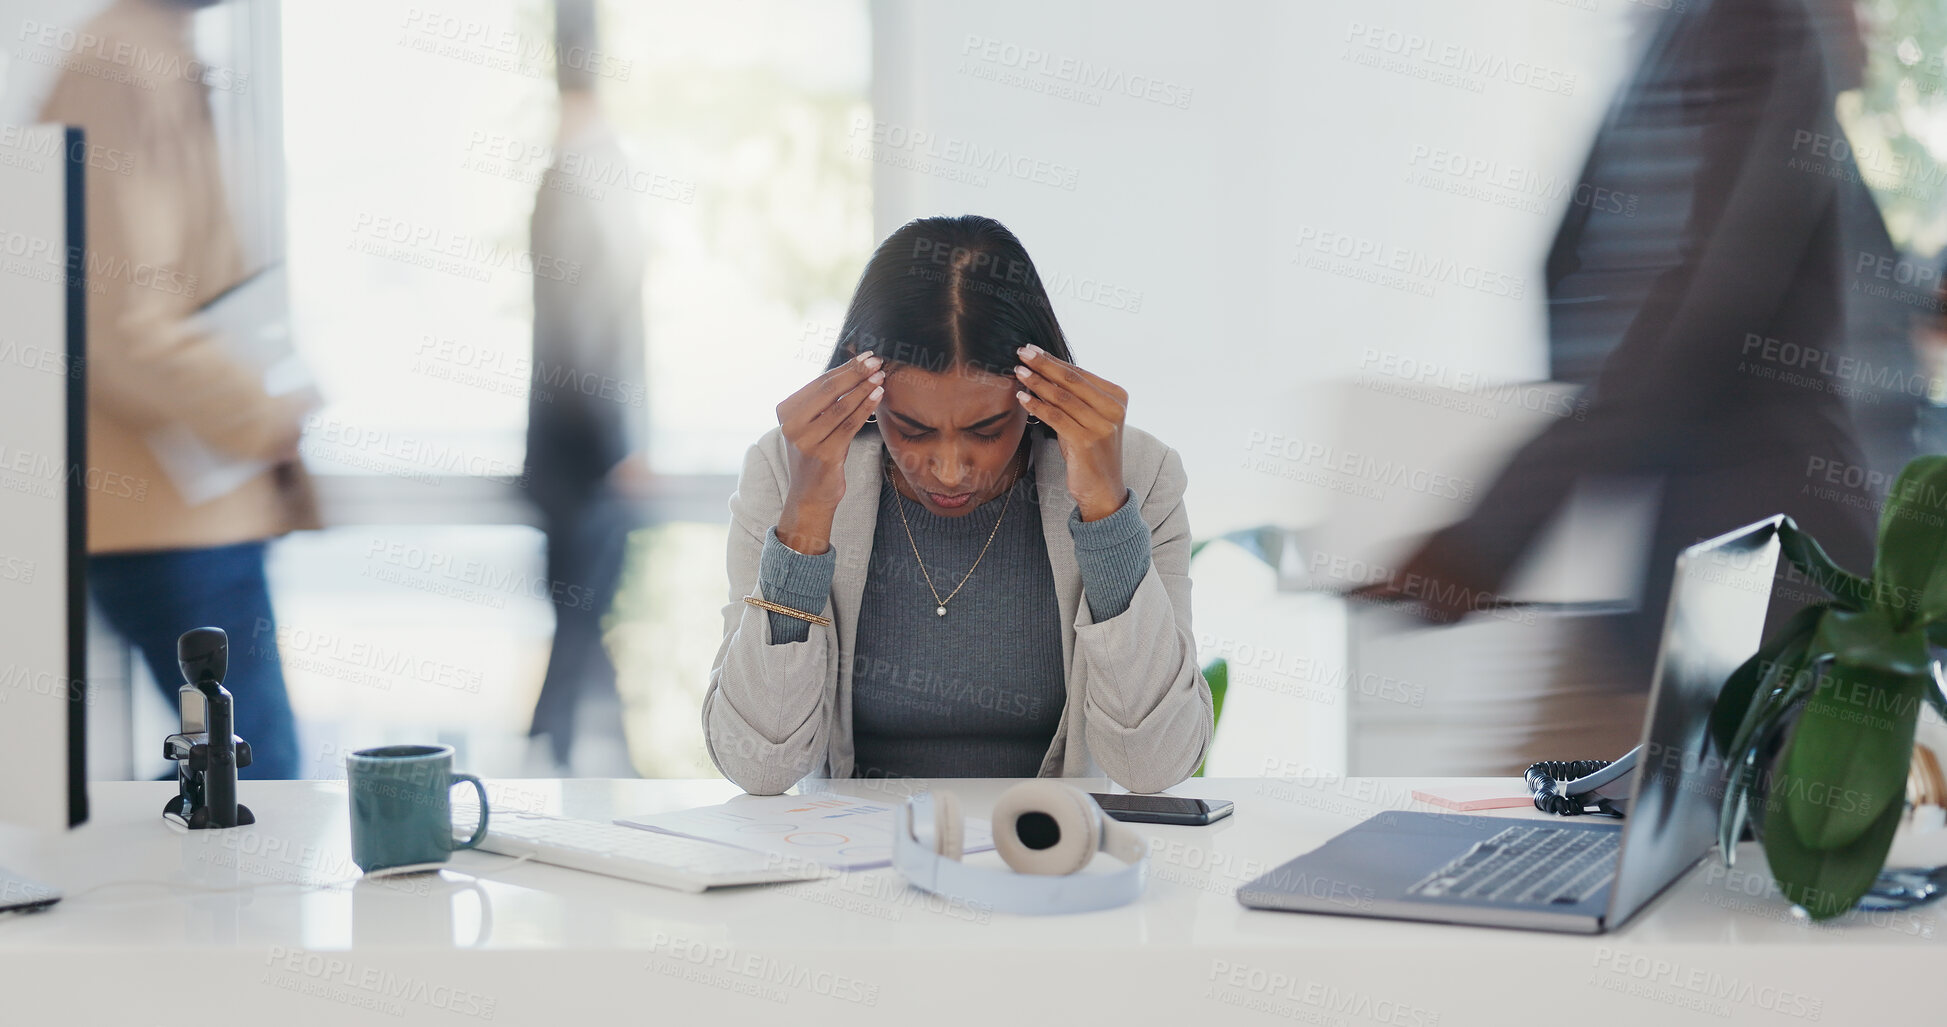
(535, 944)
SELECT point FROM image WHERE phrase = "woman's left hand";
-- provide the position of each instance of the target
(1086, 412)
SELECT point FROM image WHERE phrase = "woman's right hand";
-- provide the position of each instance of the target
(819, 422)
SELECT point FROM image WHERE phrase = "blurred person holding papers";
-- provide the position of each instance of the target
(176, 406)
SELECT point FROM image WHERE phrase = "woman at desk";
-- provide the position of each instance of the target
(951, 558)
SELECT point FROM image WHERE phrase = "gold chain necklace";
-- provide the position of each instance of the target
(940, 610)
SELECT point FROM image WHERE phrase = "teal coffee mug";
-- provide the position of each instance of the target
(402, 815)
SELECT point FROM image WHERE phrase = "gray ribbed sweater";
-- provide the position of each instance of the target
(979, 692)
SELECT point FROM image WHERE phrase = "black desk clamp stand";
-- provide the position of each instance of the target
(206, 751)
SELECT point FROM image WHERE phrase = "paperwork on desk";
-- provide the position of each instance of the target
(838, 831)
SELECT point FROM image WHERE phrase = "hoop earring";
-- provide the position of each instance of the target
(872, 418)
(1033, 420)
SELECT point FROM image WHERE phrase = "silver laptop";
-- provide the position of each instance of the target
(1571, 874)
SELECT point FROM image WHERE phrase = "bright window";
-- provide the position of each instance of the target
(416, 137)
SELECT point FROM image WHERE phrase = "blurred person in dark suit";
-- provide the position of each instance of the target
(1717, 312)
(585, 468)
(160, 242)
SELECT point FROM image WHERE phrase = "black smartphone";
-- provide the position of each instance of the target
(1162, 809)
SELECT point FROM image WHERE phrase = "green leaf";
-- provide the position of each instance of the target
(1847, 760)
(1870, 638)
(1734, 700)
(1829, 882)
(1218, 677)
(1852, 591)
(1741, 688)
(1911, 566)
(1784, 682)
(1216, 674)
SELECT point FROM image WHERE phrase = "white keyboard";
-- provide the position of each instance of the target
(666, 860)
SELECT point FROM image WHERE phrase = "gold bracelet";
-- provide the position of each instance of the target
(766, 604)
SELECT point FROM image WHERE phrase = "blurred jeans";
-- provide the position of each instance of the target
(587, 553)
(152, 598)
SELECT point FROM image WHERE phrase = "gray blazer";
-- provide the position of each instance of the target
(1138, 708)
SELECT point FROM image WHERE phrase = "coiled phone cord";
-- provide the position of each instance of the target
(1544, 777)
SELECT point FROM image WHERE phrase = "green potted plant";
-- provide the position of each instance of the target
(1818, 726)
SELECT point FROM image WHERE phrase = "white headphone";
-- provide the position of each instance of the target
(1043, 829)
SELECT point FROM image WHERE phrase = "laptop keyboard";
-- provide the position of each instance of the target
(1528, 866)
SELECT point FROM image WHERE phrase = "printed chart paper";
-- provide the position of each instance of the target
(836, 830)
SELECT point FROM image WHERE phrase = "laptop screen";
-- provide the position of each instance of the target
(1715, 622)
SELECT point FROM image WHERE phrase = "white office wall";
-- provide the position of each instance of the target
(1257, 128)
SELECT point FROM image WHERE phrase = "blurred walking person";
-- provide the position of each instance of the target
(160, 242)
(1683, 312)
(586, 416)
